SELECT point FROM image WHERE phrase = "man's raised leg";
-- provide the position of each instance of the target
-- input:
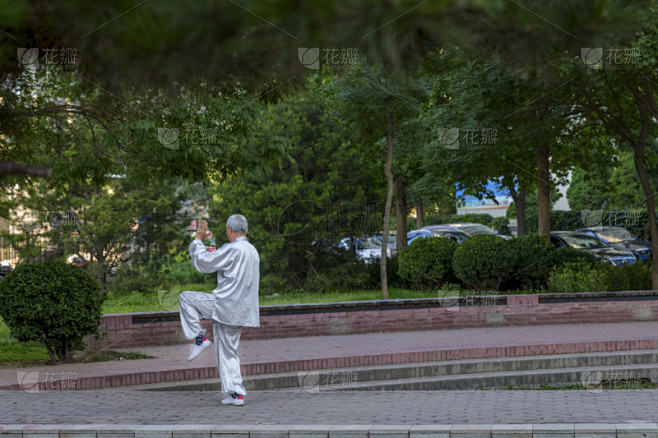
(195, 306)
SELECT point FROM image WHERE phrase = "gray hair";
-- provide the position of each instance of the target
(238, 223)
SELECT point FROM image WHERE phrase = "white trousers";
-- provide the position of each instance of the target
(195, 306)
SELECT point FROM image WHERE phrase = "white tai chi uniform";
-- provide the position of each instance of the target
(232, 305)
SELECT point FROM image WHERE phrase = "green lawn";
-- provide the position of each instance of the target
(158, 301)
(13, 351)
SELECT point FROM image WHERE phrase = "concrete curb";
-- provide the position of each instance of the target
(596, 430)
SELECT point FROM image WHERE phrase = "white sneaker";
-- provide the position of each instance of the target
(234, 399)
(196, 350)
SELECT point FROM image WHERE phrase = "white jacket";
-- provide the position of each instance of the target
(238, 272)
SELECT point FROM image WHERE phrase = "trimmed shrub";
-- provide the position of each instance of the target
(578, 277)
(600, 277)
(484, 261)
(51, 302)
(572, 255)
(633, 277)
(427, 262)
(535, 259)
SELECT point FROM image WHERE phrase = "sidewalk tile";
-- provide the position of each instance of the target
(637, 430)
(595, 431)
(309, 431)
(553, 430)
(191, 431)
(154, 431)
(41, 431)
(349, 431)
(79, 430)
(229, 431)
(269, 431)
(389, 431)
(471, 431)
(117, 431)
(430, 431)
(511, 431)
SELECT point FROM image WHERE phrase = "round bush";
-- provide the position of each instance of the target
(535, 260)
(51, 302)
(484, 261)
(427, 262)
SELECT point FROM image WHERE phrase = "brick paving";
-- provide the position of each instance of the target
(305, 353)
(126, 407)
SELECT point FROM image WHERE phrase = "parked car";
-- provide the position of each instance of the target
(589, 243)
(469, 228)
(5, 268)
(369, 247)
(621, 238)
(437, 231)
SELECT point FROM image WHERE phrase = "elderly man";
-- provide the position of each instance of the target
(232, 305)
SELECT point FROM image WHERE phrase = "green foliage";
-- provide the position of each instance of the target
(51, 302)
(577, 277)
(140, 278)
(299, 212)
(616, 187)
(535, 259)
(560, 220)
(566, 255)
(164, 272)
(392, 274)
(628, 277)
(500, 225)
(588, 190)
(427, 262)
(178, 269)
(635, 220)
(337, 270)
(124, 221)
(600, 277)
(484, 262)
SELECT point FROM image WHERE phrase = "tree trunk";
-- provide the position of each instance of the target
(638, 155)
(519, 206)
(50, 351)
(543, 191)
(400, 213)
(389, 201)
(420, 213)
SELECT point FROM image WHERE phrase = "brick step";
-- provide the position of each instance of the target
(461, 374)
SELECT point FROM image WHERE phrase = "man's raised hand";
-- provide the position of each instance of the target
(202, 230)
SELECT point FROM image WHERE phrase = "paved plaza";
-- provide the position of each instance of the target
(357, 407)
(131, 406)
